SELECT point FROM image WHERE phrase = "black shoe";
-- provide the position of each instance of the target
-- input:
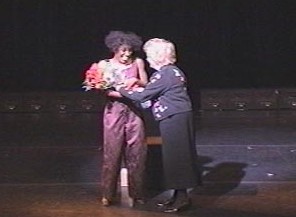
(166, 202)
(178, 206)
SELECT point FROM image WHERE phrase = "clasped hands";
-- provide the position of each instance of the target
(129, 84)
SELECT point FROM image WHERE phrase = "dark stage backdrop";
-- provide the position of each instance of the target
(47, 44)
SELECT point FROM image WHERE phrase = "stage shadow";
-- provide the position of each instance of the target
(224, 178)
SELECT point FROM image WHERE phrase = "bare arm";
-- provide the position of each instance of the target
(143, 78)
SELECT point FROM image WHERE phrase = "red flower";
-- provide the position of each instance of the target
(94, 78)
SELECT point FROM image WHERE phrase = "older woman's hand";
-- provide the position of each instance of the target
(115, 94)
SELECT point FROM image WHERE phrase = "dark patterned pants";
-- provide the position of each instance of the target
(124, 141)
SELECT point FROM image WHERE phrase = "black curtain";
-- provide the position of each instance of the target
(47, 44)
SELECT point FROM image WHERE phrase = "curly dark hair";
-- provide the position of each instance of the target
(117, 38)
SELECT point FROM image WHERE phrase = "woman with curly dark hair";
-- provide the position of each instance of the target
(124, 136)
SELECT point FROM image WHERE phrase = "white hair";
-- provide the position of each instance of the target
(161, 51)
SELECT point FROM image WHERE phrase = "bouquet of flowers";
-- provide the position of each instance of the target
(109, 77)
(96, 78)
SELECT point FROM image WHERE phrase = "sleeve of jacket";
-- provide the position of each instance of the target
(155, 87)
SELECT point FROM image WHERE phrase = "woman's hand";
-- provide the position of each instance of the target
(115, 94)
(118, 86)
(130, 83)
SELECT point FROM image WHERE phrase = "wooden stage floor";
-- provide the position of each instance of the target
(50, 166)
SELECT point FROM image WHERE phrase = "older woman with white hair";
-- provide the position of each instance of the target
(172, 108)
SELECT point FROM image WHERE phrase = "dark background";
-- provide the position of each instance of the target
(47, 44)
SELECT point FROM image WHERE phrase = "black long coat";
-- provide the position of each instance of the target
(179, 151)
